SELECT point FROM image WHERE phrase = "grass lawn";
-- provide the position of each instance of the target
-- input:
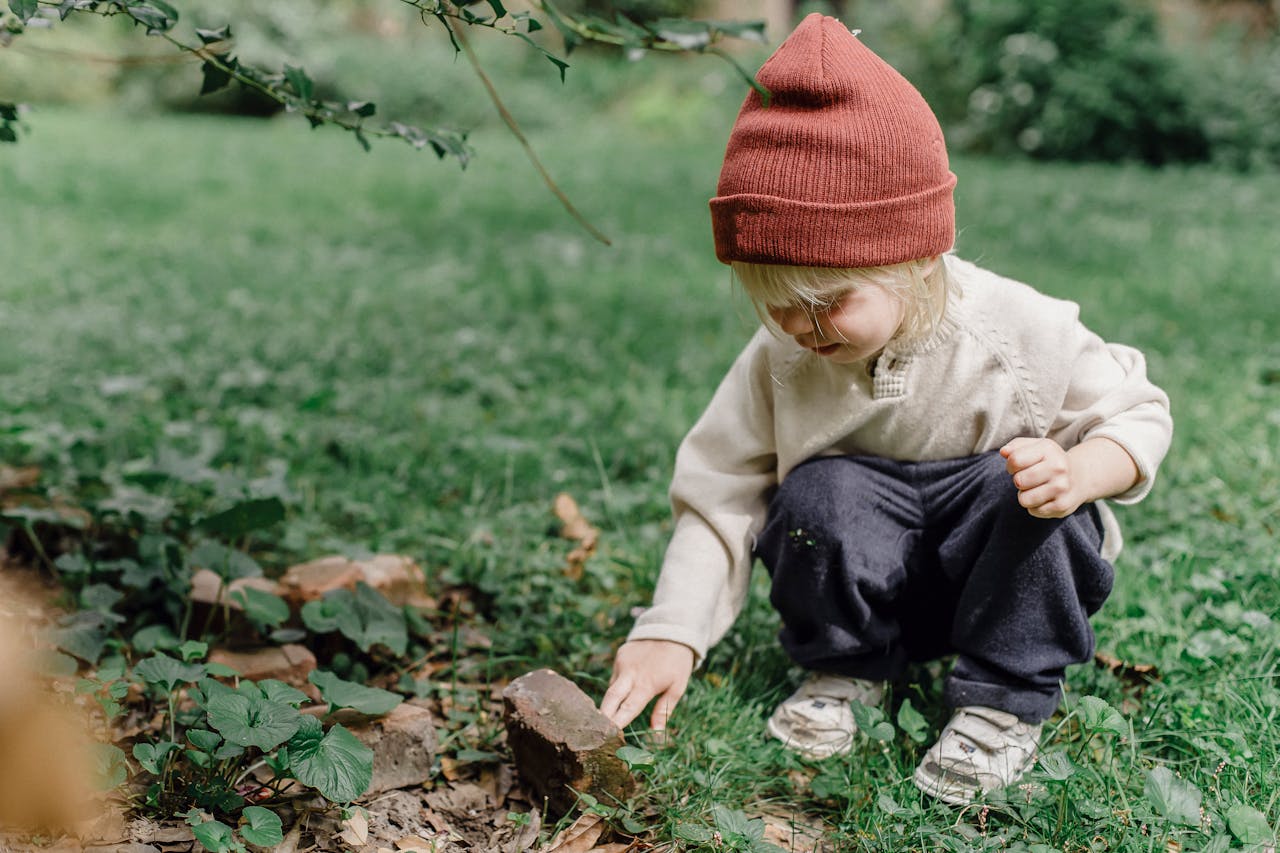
(418, 359)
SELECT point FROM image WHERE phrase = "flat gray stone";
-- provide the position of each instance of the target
(404, 747)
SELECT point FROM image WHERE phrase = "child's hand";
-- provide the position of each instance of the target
(1053, 483)
(1042, 471)
(642, 670)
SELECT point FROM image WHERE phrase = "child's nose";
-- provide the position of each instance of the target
(793, 321)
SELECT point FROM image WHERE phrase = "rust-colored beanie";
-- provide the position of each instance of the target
(845, 168)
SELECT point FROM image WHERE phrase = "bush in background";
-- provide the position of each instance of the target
(1061, 79)
(1237, 97)
(1082, 80)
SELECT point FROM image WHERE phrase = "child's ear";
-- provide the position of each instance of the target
(928, 265)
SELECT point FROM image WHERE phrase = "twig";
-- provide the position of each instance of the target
(461, 39)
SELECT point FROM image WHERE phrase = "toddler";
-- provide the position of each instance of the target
(915, 448)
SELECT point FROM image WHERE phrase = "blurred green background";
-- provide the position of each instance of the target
(1155, 81)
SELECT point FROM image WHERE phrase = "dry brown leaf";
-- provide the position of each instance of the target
(416, 844)
(12, 479)
(580, 837)
(290, 842)
(449, 768)
(355, 829)
(793, 832)
(574, 526)
(612, 847)
(1136, 675)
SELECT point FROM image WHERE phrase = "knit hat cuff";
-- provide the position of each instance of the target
(770, 230)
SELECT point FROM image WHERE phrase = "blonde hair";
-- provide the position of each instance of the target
(923, 286)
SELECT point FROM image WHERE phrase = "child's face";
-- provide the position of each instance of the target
(855, 325)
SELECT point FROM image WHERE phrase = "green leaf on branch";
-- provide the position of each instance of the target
(1173, 798)
(262, 826)
(252, 720)
(567, 32)
(301, 83)
(66, 7)
(156, 15)
(685, 34)
(335, 763)
(746, 30)
(215, 78)
(24, 9)
(244, 517)
(214, 36)
(348, 694)
(499, 11)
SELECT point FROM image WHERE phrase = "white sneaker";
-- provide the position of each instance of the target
(980, 750)
(816, 721)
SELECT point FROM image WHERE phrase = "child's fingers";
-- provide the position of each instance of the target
(1032, 476)
(618, 703)
(665, 705)
(1022, 453)
(1038, 497)
(1015, 444)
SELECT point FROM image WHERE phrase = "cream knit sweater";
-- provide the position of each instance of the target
(1007, 361)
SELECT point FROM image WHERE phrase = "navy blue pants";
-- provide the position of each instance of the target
(877, 563)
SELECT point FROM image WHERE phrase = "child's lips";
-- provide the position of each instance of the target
(826, 349)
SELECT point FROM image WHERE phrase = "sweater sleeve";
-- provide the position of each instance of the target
(1109, 396)
(724, 471)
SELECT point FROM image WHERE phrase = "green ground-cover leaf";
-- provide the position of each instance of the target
(335, 763)
(253, 721)
(365, 617)
(348, 694)
(264, 609)
(216, 836)
(1173, 798)
(245, 517)
(261, 826)
(1249, 825)
(166, 672)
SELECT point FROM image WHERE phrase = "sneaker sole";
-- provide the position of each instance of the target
(955, 793)
(949, 792)
(817, 754)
